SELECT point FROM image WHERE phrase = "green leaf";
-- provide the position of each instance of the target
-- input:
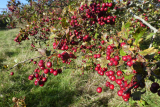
(142, 103)
(122, 53)
(107, 1)
(149, 36)
(64, 23)
(96, 35)
(103, 61)
(139, 36)
(136, 95)
(125, 71)
(127, 25)
(128, 77)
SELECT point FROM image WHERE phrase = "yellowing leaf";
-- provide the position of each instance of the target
(148, 51)
(52, 36)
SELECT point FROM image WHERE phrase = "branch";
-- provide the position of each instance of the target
(23, 62)
(146, 23)
(133, 86)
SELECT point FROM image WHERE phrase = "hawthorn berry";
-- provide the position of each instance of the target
(119, 73)
(111, 86)
(12, 73)
(99, 89)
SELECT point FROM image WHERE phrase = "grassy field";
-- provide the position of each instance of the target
(69, 89)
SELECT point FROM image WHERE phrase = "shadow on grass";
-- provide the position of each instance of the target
(11, 54)
(50, 98)
(3, 57)
(1, 62)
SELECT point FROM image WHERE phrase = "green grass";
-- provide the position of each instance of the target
(65, 90)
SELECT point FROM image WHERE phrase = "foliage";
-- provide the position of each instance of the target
(98, 35)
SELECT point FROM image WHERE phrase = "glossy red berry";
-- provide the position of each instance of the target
(51, 70)
(12, 73)
(111, 86)
(46, 71)
(124, 58)
(111, 72)
(99, 89)
(117, 58)
(122, 44)
(31, 77)
(113, 78)
(55, 72)
(120, 92)
(129, 63)
(49, 64)
(119, 73)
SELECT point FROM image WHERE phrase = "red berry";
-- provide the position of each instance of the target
(36, 82)
(111, 72)
(40, 64)
(35, 62)
(101, 73)
(111, 86)
(46, 71)
(98, 55)
(95, 55)
(116, 58)
(107, 73)
(110, 5)
(108, 57)
(98, 65)
(136, 85)
(12, 73)
(112, 59)
(36, 75)
(51, 70)
(122, 44)
(115, 63)
(49, 64)
(113, 78)
(127, 95)
(124, 58)
(129, 57)
(96, 68)
(129, 63)
(42, 68)
(55, 72)
(31, 77)
(44, 79)
(99, 89)
(110, 64)
(109, 47)
(119, 73)
(125, 99)
(107, 84)
(41, 83)
(119, 81)
(120, 93)
(59, 55)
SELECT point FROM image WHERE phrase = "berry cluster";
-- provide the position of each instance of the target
(100, 10)
(65, 57)
(154, 88)
(40, 79)
(63, 45)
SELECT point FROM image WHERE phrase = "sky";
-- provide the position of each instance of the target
(3, 3)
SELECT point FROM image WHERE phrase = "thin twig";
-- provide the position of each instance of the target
(24, 61)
